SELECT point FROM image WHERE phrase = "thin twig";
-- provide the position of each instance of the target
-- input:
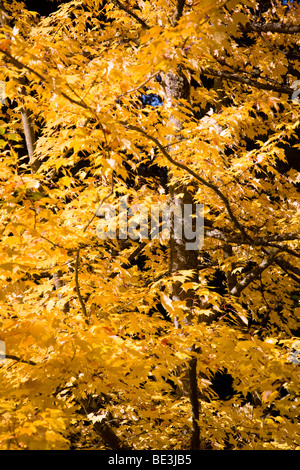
(139, 86)
(16, 358)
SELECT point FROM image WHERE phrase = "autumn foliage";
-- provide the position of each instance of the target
(107, 344)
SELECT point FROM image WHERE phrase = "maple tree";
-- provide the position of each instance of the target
(117, 344)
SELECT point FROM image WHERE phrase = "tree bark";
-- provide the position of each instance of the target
(195, 438)
(29, 139)
(109, 436)
(176, 88)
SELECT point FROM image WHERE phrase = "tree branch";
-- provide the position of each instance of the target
(138, 87)
(131, 13)
(272, 28)
(29, 138)
(248, 81)
(43, 78)
(289, 55)
(286, 266)
(81, 301)
(16, 358)
(130, 258)
(284, 248)
(105, 431)
(253, 275)
(192, 173)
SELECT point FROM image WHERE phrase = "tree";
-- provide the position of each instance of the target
(118, 342)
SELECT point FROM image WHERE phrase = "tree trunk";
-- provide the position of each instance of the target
(177, 87)
(181, 258)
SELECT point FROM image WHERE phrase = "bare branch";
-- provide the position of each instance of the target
(130, 258)
(131, 13)
(78, 292)
(253, 275)
(218, 235)
(289, 55)
(29, 138)
(137, 88)
(287, 267)
(284, 248)
(16, 358)
(105, 431)
(272, 28)
(278, 88)
(277, 238)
